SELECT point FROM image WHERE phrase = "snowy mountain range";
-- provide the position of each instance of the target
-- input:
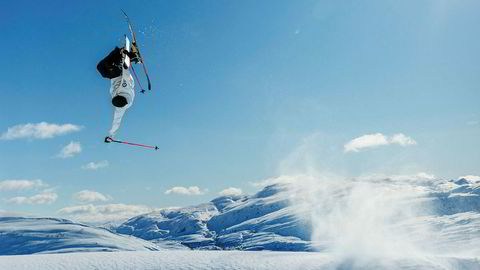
(265, 220)
(430, 217)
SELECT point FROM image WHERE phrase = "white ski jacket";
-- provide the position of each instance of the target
(121, 86)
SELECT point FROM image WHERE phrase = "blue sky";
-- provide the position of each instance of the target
(242, 91)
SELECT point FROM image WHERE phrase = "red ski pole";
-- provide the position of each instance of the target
(109, 140)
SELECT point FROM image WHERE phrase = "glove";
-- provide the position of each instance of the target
(133, 55)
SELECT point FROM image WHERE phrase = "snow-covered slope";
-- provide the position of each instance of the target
(49, 235)
(181, 225)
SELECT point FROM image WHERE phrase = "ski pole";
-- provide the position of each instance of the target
(139, 84)
(109, 140)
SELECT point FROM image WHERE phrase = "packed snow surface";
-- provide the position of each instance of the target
(221, 260)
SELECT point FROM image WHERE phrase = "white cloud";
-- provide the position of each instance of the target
(231, 191)
(402, 140)
(103, 213)
(377, 139)
(41, 130)
(42, 198)
(471, 178)
(96, 165)
(21, 184)
(88, 196)
(70, 150)
(365, 141)
(193, 190)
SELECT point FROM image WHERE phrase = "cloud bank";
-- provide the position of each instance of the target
(103, 213)
(376, 140)
(193, 190)
(42, 198)
(42, 130)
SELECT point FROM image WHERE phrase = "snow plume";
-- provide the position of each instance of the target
(21, 184)
(359, 220)
(42, 130)
(70, 150)
(41, 198)
(375, 140)
(103, 213)
(413, 178)
(88, 196)
(193, 190)
(96, 165)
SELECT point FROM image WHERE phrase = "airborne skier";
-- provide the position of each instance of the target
(115, 67)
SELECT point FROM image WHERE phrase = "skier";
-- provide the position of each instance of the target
(114, 67)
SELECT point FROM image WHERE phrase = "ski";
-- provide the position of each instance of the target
(126, 58)
(136, 50)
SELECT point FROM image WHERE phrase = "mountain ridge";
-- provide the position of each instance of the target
(275, 218)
